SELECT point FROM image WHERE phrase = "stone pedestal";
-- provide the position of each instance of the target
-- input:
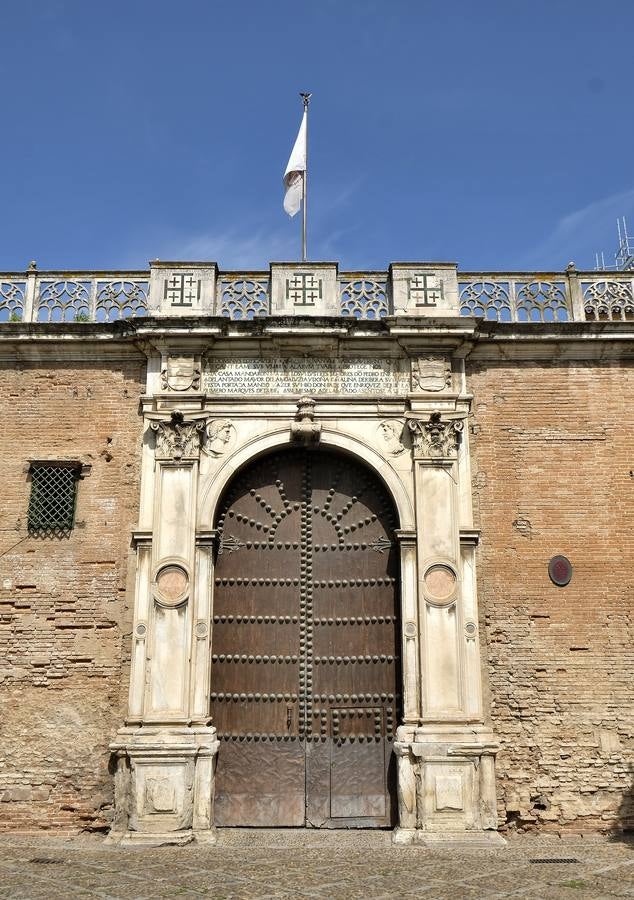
(446, 786)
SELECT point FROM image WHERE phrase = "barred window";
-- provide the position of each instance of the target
(52, 500)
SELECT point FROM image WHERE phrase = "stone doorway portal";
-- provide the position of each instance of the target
(305, 682)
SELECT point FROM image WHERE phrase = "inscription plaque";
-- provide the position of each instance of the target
(298, 375)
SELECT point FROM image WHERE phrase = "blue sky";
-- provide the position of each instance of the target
(498, 134)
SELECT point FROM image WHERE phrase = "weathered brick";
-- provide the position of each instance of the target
(552, 460)
(63, 657)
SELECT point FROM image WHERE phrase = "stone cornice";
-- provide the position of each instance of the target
(464, 337)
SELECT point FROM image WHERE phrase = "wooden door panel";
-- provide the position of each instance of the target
(260, 783)
(264, 638)
(267, 717)
(337, 637)
(339, 562)
(305, 661)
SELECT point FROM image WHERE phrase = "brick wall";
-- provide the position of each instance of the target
(65, 603)
(552, 461)
(552, 464)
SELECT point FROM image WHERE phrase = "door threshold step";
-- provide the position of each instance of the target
(304, 837)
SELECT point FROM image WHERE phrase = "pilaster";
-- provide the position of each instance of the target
(165, 752)
(446, 761)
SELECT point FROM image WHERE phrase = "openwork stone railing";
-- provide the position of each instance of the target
(34, 296)
(551, 297)
(243, 297)
(364, 296)
(73, 297)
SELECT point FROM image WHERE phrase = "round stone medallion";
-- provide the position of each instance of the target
(440, 583)
(172, 582)
(410, 629)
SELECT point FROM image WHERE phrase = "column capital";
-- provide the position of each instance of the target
(177, 438)
(435, 438)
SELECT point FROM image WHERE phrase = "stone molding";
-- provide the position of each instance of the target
(164, 785)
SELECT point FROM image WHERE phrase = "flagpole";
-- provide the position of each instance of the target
(306, 98)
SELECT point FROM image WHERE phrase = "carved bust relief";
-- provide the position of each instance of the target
(390, 433)
(220, 437)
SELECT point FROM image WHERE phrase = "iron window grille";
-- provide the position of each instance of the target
(53, 498)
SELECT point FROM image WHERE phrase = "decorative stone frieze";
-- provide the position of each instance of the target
(436, 438)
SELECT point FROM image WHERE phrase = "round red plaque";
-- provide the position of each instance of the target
(560, 570)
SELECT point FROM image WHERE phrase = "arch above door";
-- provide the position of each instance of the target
(213, 489)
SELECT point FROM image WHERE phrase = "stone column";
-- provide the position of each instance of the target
(165, 752)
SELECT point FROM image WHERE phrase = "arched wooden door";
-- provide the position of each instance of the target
(305, 647)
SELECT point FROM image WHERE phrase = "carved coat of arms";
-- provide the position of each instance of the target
(431, 373)
(180, 373)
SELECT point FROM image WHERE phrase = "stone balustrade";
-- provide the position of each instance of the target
(419, 289)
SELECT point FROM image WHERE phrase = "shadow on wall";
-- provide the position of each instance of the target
(624, 830)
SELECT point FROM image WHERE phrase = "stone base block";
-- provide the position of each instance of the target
(162, 839)
(164, 785)
(473, 840)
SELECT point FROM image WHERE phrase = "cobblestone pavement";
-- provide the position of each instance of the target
(288, 863)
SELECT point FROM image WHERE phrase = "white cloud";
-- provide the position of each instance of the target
(252, 244)
(231, 247)
(579, 234)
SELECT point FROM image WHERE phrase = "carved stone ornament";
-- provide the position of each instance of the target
(431, 373)
(229, 544)
(220, 437)
(180, 373)
(434, 438)
(177, 438)
(304, 428)
(391, 432)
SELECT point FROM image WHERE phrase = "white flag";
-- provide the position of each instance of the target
(295, 171)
